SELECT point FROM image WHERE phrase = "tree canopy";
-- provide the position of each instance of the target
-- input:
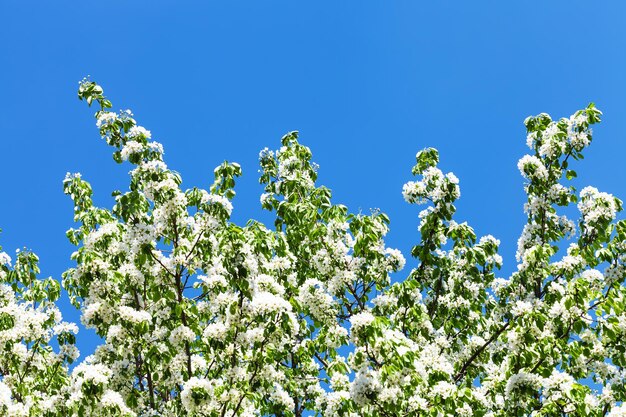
(200, 316)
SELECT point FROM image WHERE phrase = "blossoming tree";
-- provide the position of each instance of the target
(202, 317)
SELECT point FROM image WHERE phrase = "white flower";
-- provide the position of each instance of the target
(596, 206)
(105, 119)
(5, 259)
(5, 395)
(521, 307)
(558, 310)
(361, 320)
(218, 199)
(490, 239)
(592, 275)
(531, 138)
(395, 259)
(532, 167)
(131, 315)
(215, 331)
(443, 389)
(617, 411)
(132, 147)
(96, 374)
(265, 302)
(265, 197)
(112, 400)
(180, 335)
(65, 328)
(414, 192)
(266, 154)
(521, 379)
(317, 301)
(196, 394)
(136, 131)
(452, 178)
(365, 384)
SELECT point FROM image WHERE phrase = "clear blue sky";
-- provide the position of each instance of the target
(367, 83)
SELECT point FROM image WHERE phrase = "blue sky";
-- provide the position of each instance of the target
(366, 83)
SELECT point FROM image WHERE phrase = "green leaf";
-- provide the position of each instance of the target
(570, 174)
